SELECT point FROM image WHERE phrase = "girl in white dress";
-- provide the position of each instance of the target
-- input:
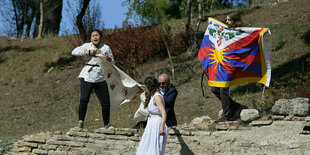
(154, 138)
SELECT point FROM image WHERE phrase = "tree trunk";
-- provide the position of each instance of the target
(52, 18)
(41, 19)
(19, 19)
(189, 15)
(198, 20)
(164, 39)
(90, 26)
(79, 21)
(211, 6)
(30, 20)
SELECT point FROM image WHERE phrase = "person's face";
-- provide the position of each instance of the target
(163, 83)
(229, 22)
(95, 38)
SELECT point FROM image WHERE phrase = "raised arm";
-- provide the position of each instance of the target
(81, 50)
(160, 105)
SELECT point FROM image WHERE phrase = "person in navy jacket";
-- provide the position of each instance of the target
(170, 94)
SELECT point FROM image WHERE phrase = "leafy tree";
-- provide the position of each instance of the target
(167, 9)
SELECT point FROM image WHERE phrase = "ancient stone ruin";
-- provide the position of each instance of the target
(284, 132)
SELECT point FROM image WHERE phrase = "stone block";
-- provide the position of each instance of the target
(226, 127)
(97, 136)
(179, 132)
(203, 119)
(125, 132)
(39, 151)
(134, 138)
(65, 143)
(105, 131)
(51, 152)
(117, 137)
(48, 147)
(65, 148)
(24, 149)
(277, 117)
(35, 139)
(296, 107)
(201, 133)
(261, 123)
(29, 144)
(298, 118)
(264, 118)
(203, 126)
(248, 115)
(77, 134)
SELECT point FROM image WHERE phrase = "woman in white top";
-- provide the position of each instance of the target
(154, 138)
(92, 76)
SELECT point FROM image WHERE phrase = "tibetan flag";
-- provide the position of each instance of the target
(233, 56)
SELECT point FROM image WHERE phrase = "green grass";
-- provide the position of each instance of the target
(7, 145)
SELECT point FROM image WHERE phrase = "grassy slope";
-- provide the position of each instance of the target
(33, 100)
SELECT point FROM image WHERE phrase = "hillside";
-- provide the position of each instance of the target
(40, 90)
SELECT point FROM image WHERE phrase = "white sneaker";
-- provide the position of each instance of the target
(107, 127)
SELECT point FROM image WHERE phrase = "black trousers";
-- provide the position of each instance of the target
(102, 92)
(229, 106)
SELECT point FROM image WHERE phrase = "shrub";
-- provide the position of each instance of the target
(135, 45)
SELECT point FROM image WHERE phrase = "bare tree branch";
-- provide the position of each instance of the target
(79, 21)
(164, 39)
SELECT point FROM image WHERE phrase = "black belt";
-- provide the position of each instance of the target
(91, 66)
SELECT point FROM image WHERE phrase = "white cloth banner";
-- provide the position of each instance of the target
(142, 113)
(122, 88)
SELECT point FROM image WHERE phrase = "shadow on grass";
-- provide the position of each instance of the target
(2, 59)
(306, 37)
(17, 48)
(284, 71)
(61, 62)
(290, 68)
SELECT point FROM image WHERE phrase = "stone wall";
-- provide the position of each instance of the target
(277, 137)
(285, 132)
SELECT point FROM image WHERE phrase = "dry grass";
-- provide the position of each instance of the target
(34, 100)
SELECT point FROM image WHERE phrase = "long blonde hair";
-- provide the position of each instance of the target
(151, 85)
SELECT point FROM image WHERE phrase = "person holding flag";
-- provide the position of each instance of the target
(233, 55)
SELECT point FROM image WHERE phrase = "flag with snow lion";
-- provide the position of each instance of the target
(233, 56)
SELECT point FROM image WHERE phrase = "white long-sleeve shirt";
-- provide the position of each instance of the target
(90, 73)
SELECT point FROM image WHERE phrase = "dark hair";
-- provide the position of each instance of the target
(236, 18)
(151, 85)
(100, 33)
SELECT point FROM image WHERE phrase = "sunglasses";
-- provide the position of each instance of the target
(162, 83)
